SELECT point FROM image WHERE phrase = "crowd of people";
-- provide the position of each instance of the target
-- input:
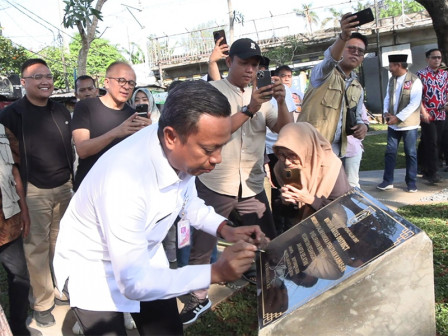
(151, 186)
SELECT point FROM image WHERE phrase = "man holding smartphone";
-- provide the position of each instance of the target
(336, 71)
(237, 183)
(100, 123)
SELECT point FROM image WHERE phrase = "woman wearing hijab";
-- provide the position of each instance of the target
(144, 96)
(321, 178)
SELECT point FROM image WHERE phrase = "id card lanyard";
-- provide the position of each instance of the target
(183, 227)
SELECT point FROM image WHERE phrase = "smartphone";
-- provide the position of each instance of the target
(364, 16)
(263, 79)
(217, 35)
(142, 110)
(291, 176)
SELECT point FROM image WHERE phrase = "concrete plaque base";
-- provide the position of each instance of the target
(322, 278)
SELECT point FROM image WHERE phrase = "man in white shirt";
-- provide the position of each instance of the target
(402, 114)
(110, 244)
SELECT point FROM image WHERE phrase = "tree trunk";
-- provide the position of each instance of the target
(438, 10)
(87, 36)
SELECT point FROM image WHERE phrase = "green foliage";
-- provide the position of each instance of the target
(53, 57)
(394, 8)
(11, 57)
(236, 316)
(335, 17)
(102, 54)
(285, 53)
(374, 149)
(136, 54)
(79, 11)
(360, 6)
(307, 13)
(433, 220)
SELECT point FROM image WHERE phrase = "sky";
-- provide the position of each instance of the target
(35, 24)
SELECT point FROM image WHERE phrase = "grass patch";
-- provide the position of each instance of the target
(432, 219)
(235, 316)
(375, 147)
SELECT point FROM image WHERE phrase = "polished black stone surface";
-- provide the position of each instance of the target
(323, 250)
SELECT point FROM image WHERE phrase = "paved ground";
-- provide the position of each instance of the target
(394, 199)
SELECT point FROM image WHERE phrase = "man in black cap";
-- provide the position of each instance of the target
(402, 114)
(237, 182)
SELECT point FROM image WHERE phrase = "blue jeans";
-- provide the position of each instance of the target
(390, 158)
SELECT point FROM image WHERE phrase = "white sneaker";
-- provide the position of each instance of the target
(129, 322)
(77, 329)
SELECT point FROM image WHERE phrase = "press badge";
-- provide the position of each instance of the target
(183, 233)
(183, 229)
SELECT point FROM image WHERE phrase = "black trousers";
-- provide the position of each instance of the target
(12, 258)
(160, 317)
(431, 146)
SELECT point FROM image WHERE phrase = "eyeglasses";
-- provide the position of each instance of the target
(435, 57)
(40, 76)
(90, 88)
(122, 81)
(287, 156)
(353, 49)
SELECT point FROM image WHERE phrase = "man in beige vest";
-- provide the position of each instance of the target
(402, 114)
(324, 105)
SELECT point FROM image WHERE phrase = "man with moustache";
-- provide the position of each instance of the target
(401, 111)
(85, 87)
(110, 246)
(433, 116)
(102, 122)
(324, 105)
(43, 130)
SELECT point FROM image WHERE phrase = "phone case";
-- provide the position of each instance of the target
(292, 177)
(263, 78)
(364, 16)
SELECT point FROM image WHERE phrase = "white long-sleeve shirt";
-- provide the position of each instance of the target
(110, 238)
(414, 103)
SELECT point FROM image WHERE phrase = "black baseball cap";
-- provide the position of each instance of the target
(245, 48)
(398, 58)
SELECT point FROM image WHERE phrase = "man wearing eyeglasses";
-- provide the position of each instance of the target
(85, 87)
(42, 127)
(100, 123)
(433, 116)
(324, 104)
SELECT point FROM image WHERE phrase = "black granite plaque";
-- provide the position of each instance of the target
(323, 250)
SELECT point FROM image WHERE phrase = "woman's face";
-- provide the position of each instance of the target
(288, 157)
(141, 98)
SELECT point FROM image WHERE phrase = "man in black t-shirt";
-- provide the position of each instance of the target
(100, 123)
(42, 127)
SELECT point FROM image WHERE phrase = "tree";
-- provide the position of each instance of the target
(336, 16)
(396, 8)
(11, 57)
(81, 14)
(285, 53)
(310, 16)
(438, 10)
(102, 54)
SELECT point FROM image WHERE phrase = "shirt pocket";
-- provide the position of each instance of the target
(332, 98)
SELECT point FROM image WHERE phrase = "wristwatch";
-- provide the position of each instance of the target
(246, 111)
